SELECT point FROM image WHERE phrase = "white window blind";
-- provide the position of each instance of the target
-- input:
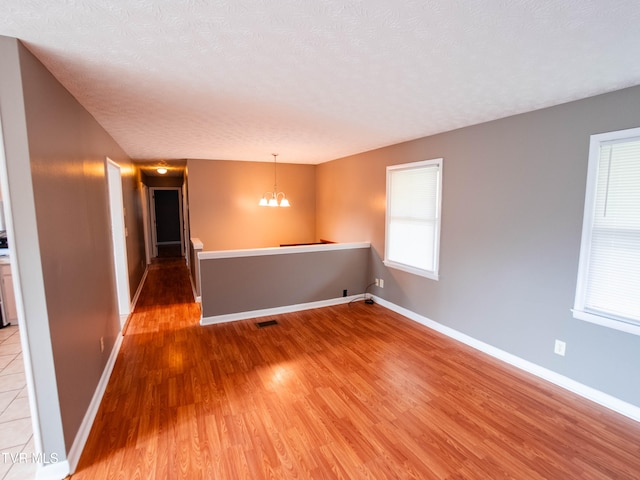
(413, 217)
(609, 274)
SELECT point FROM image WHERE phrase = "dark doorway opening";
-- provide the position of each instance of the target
(168, 222)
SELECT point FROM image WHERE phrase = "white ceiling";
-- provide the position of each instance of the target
(318, 80)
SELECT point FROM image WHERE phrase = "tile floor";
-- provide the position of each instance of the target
(16, 434)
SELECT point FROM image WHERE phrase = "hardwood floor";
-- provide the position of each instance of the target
(353, 391)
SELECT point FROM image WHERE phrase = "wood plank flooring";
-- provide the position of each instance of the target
(347, 392)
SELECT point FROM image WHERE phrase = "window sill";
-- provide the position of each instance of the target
(607, 322)
(410, 269)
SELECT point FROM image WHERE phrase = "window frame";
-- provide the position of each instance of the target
(579, 310)
(431, 274)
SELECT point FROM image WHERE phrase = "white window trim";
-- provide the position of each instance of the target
(433, 275)
(579, 311)
(616, 324)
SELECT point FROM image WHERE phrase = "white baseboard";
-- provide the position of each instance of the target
(232, 317)
(90, 415)
(124, 322)
(135, 298)
(53, 471)
(620, 406)
(196, 297)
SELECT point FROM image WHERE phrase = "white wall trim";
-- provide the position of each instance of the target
(609, 322)
(232, 317)
(196, 297)
(90, 415)
(118, 237)
(257, 252)
(53, 471)
(135, 298)
(620, 406)
(134, 301)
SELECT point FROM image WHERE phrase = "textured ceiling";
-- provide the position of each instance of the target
(318, 80)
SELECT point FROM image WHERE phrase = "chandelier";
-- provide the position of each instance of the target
(275, 198)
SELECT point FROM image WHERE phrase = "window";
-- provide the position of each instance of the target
(413, 217)
(608, 288)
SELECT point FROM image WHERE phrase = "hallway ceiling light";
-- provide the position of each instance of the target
(162, 168)
(272, 199)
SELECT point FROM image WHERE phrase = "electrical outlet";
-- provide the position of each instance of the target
(102, 344)
(381, 283)
(560, 348)
(344, 292)
(377, 282)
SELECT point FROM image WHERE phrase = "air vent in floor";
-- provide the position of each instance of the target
(267, 323)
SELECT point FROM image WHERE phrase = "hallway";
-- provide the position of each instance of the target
(136, 424)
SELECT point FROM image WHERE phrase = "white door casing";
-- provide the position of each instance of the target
(119, 240)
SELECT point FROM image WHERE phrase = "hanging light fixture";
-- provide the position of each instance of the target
(272, 199)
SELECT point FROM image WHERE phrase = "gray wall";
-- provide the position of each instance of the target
(241, 284)
(513, 197)
(65, 158)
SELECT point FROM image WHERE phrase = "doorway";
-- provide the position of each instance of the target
(166, 221)
(118, 239)
(19, 420)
